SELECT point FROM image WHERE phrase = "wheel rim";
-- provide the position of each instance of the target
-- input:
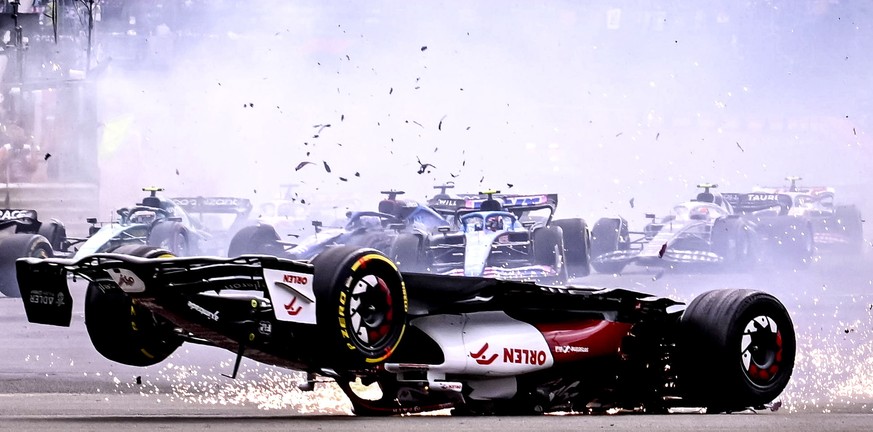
(371, 312)
(761, 350)
(40, 253)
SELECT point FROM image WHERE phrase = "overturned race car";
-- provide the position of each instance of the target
(429, 342)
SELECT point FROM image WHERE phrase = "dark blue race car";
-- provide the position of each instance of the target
(399, 228)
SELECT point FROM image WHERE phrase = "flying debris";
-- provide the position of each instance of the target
(631, 202)
(344, 179)
(657, 135)
(391, 90)
(303, 164)
(454, 175)
(177, 171)
(357, 174)
(423, 166)
(509, 185)
(741, 147)
(326, 166)
(618, 134)
(440, 126)
(47, 156)
(424, 48)
(342, 117)
(482, 179)
(320, 128)
(662, 251)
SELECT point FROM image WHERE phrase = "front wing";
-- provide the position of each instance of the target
(47, 298)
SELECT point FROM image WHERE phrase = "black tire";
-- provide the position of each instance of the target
(407, 253)
(55, 232)
(548, 248)
(255, 239)
(352, 285)
(738, 349)
(17, 246)
(608, 235)
(119, 328)
(850, 224)
(172, 236)
(730, 240)
(577, 245)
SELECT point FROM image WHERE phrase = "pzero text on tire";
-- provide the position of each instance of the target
(362, 304)
(738, 349)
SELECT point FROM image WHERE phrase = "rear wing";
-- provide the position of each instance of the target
(510, 202)
(228, 205)
(743, 203)
(811, 190)
(24, 215)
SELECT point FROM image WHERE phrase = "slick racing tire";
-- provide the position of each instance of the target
(407, 253)
(122, 330)
(737, 350)
(361, 305)
(55, 232)
(608, 235)
(255, 239)
(172, 236)
(730, 240)
(849, 225)
(577, 244)
(19, 246)
(548, 248)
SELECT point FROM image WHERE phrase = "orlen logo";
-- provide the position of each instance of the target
(480, 356)
(290, 306)
(524, 356)
(295, 279)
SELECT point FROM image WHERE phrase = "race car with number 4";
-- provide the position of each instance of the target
(424, 342)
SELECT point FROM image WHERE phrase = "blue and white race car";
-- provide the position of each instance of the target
(508, 237)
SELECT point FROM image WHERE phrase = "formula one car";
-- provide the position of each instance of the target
(399, 228)
(507, 236)
(835, 227)
(705, 231)
(161, 221)
(22, 234)
(426, 342)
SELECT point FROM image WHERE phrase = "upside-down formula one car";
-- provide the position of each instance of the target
(428, 342)
(508, 237)
(706, 231)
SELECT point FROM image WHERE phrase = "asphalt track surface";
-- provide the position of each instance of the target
(52, 379)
